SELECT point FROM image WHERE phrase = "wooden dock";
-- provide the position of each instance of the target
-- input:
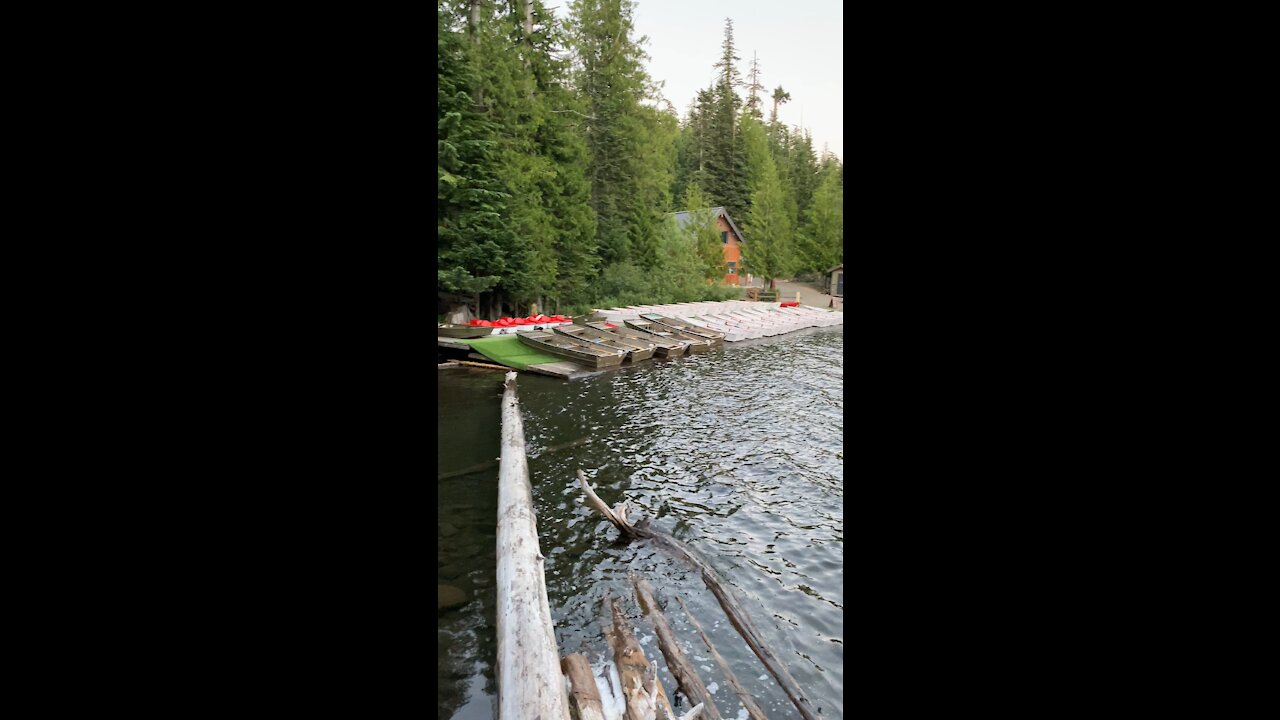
(564, 369)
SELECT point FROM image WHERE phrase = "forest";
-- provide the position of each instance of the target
(560, 162)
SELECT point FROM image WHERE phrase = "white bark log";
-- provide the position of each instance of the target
(529, 681)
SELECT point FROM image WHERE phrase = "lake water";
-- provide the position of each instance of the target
(738, 452)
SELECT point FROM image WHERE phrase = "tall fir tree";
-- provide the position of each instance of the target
(768, 248)
(472, 205)
(823, 236)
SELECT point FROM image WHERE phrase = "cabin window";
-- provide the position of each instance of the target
(733, 268)
(724, 237)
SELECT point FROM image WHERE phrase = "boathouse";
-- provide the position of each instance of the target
(730, 238)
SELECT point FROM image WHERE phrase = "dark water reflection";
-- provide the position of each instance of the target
(737, 452)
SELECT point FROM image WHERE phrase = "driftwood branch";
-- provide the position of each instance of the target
(681, 669)
(732, 608)
(754, 711)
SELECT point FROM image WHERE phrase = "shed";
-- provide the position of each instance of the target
(835, 286)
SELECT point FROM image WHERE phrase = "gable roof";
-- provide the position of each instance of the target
(682, 217)
(838, 267)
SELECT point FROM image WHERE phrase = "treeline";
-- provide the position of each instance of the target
(560, 161)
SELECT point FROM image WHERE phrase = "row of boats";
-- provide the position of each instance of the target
(638, 333)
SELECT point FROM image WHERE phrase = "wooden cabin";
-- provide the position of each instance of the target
(836, 287)
(730, 237)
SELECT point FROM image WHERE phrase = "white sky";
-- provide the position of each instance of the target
(800, 45)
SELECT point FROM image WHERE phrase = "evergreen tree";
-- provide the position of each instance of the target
(704, 234)
(753, 89)
(768, 248)
(610, 79)
(804, 168)
(471, 204)
(823, 237)
(725, 166)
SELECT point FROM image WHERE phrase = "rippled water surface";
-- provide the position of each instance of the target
(737, 452)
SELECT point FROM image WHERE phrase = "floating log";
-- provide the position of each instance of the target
(529, 681)
(732, 608)
(639, 684)
(754, 711)
(681, 669)
(585, 696)
(486, 366)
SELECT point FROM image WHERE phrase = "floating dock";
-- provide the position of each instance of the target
(738, 319)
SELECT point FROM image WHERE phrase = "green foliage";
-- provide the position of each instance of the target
(822, 241)
(559, 163)
(769, 248)
(703, 234)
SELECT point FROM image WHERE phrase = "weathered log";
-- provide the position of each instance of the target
(732, 608)
(486, 366)
(584, 696)
(490, 463)
(754, 711)
(681, 669)
(529, 680)
(639, 679)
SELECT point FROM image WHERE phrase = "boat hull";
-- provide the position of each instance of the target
(685, 327)
(696, 344)
(663, 346)
(635, 351)
(595, 356)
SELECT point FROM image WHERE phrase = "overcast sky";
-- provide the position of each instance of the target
(800, 44)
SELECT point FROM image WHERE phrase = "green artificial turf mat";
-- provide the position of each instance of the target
(508, 350)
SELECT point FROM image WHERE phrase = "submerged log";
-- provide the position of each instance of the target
(639, 678)
(681, 669)
(754, 711)
(529, 681)
(585, 696)
(732, 608)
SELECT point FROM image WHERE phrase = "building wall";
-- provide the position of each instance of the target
(834, 284)
(732, 252)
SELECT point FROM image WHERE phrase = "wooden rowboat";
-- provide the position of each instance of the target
(463, 331)
(663, 346)
(681, 325)
(589, 354)
(636, 350)
(696, 344)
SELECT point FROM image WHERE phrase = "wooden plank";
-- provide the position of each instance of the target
(563, 369)
(452, 343)
(529, 681)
